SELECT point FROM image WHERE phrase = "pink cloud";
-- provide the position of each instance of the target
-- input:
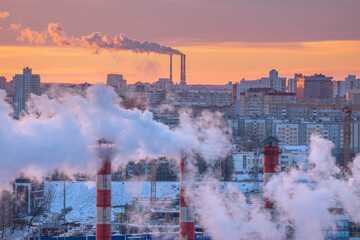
(4, 14)
(15, 27)
(32, 36)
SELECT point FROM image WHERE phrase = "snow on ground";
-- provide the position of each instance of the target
(246, 177)
(81, 196)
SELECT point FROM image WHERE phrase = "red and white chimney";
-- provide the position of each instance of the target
(271, 164)
(103, 191)
(187, 218)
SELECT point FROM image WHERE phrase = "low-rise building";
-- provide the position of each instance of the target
(245, 162)
(293, 156)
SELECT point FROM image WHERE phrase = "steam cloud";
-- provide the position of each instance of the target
(58, 132)
(302, 200)
(95, 41)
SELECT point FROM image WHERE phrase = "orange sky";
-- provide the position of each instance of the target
(212, 63)
(223, 40)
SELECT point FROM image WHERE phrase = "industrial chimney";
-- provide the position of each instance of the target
(182, 71)
(170, 67)
(271, 163)
(103, 191)
(187, 219)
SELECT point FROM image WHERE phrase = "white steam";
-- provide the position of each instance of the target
(60, 132)
(302, 201)
(95, 41)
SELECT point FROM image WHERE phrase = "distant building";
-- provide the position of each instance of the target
(28, 197)
(255, 128)
(287, 133)
(317, 86)
(298, 133)
(164, 84)
(3, 83)
(273, 81)
(156, 97)
(10, 89)
(293, 156)
(340, 88)
(22, 191)
(245, 162)
(353, 95)
(290, 156)
(292, 82)
(137, 90)
(118, 82)
(25, 84)
(262, 101)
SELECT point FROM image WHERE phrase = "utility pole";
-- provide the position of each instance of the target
(256, 172)
(64, 201)
(154, 165)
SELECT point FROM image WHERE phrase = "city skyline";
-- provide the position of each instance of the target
(180, 119)
(221, 46)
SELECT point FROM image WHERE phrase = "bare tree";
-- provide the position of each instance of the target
(40, 204)
(6, 211)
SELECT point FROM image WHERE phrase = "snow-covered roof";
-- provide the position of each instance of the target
(296, 148)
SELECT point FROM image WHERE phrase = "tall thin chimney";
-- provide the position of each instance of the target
(103, 191)
(187, 219)
(182, 76)
(181, 68)
(171, 67)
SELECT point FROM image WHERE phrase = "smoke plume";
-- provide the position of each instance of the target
(94, 41)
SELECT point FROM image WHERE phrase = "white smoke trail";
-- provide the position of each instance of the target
(95, 41)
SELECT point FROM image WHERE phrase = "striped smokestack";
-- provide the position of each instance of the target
(187, 220)
(183, 74)
(271, 164)
(170, 67)
(103, 191)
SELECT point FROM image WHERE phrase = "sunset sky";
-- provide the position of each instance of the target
(224, 40)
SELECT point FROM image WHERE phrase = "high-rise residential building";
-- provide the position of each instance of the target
(262, 101)
(287, 133)
(292, 83)
(118, 82)
(275, 81)
(317, 86)
(2, 83)
(25, 84)
(315, 128)
(353, 95)
(340, 88)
